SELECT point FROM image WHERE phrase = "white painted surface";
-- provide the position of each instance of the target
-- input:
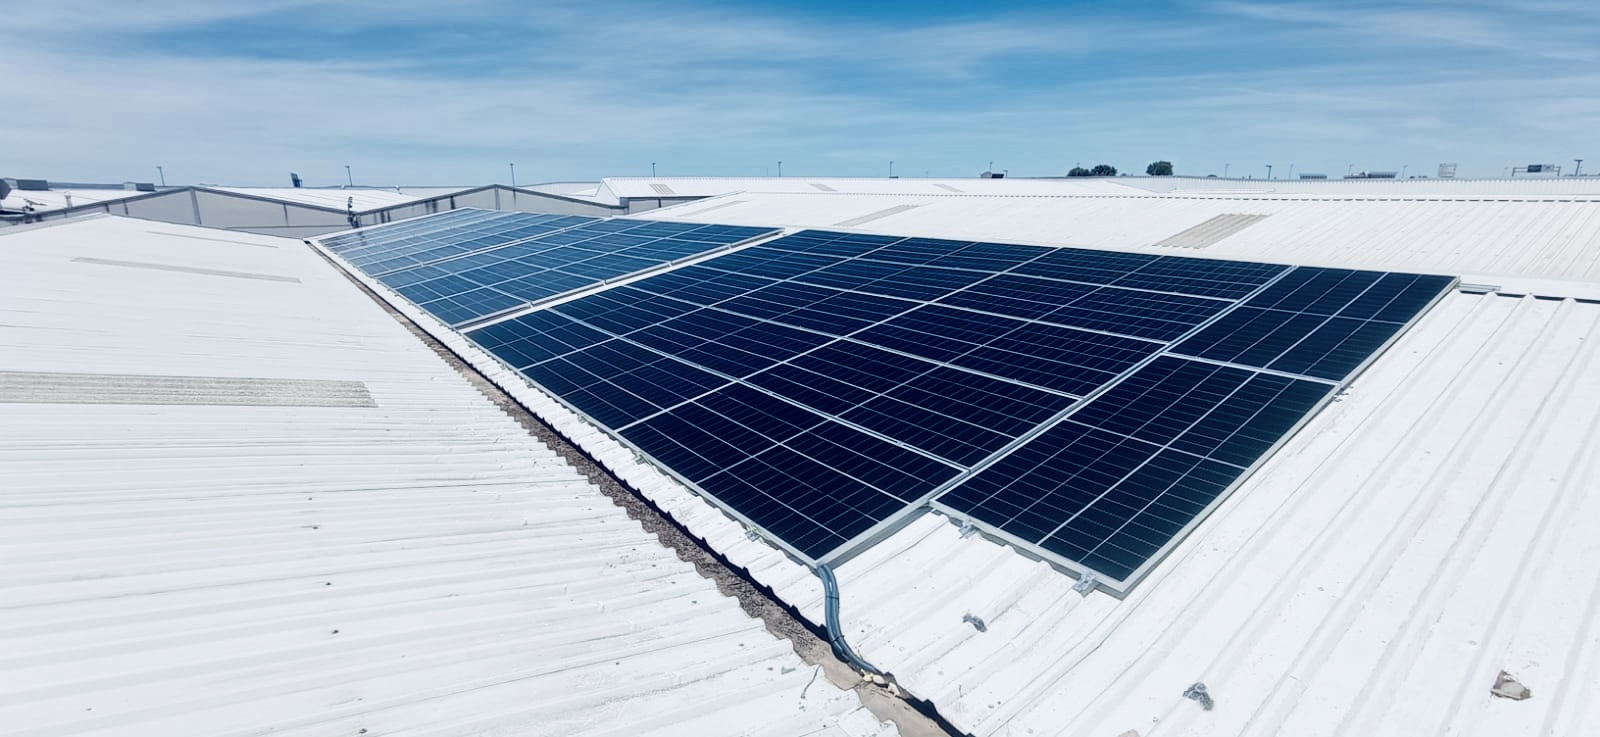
(421, 567)
(1528, 238)
(56, 199)
(365, 198)
(1430, 529)
(615, 189)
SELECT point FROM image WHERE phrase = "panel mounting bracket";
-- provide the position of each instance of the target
(1086, 584)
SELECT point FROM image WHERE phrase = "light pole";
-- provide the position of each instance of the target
(1577, 166)
(1351, 169)
(1225, 170)
(891, 168)
(652, 170)
(1269, 172)
(1291, 172)
(350, 180)
(513, 166)
(163, 174)
(1403, 168)
(780, 169)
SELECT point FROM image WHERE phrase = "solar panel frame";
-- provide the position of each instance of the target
(1122, 585)
(887, 270)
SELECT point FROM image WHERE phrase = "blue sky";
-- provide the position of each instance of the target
(411, 92)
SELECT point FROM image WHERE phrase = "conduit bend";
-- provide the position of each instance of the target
(830, 590)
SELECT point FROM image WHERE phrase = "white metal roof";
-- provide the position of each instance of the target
(1340, 187)
(1431, 529)
(1527, 239)
(391, 554)
(56, 199)
(653, 187)
(365, 198)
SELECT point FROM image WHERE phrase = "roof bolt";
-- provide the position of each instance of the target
(1197, 692)
(1506, 686)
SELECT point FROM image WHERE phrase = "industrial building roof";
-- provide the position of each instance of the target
(46, 200)
(1528, 239)
(241, 498)
(365, 198)
(1427, 533)
(1419, 553)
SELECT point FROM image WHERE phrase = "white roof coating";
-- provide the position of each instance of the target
(1340, 187)
(1429, 531)
(378, 550)
(338, 198)
(614, 189)
(1480, 238)
(57, 199)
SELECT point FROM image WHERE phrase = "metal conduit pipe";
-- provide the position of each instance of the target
(830, 590)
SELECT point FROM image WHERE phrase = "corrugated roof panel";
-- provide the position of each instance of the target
(1428, 530)
(419, 564)
(1526, 238)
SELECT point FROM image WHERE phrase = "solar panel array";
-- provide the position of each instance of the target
(1087, 405)
(467, 265)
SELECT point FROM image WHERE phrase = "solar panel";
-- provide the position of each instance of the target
(464, 266)
(1088, 406)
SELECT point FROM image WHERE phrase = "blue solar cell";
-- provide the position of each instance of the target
(1111, 486)
(939, 333)
(1198, 276)
(1315, 291)
(1397, 297)
(1018, 296)
(623, 310)
(818, 384)
(1081, 265)
(1250, 336)
(1151, 315)
(465, 306)
(535, 337)
(525, 257)
(1064, 359)
(1336, 348)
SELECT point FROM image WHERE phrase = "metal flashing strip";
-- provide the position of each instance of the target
(204, 238)
(186, 269)
(31, 387)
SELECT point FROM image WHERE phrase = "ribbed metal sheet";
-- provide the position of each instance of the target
(1480, 238)
(1307, 603)
(1433, 528)
(423, 566)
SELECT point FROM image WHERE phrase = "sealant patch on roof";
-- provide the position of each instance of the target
(213, 240)
(1211, 231)
(871, 216)
(184, 269)
(33, 387)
